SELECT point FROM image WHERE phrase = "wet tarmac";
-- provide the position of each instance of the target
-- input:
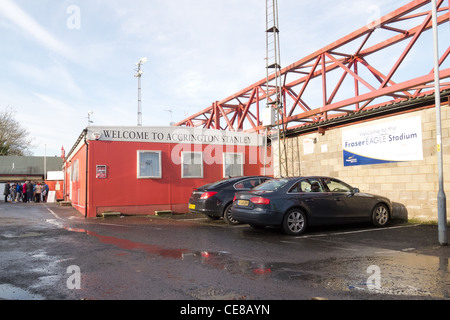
(188, 257)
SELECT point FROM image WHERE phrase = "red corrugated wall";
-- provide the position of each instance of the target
(123, 192)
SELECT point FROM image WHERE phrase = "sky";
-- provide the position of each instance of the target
(62, 59)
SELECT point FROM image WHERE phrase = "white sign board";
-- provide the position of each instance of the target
(176, 135)
(394, 141)
(51, 196)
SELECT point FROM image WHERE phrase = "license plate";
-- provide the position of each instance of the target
(244, 203)
(191, 206)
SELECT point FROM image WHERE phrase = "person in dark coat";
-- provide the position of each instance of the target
(6, 191)
(30, 191)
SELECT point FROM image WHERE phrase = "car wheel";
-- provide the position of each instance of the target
(294, 222)
(228, 217)
(380, 215)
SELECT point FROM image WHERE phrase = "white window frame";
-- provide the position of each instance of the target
(183, 174)
(159, 176)
(241, 169)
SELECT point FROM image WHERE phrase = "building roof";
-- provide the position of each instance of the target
(15, 166)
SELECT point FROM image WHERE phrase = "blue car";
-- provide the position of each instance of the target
(296, 203)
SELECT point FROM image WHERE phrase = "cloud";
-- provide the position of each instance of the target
(200, 51)
(56, 77)
(24, 21)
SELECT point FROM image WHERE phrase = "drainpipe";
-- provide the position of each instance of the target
(87, 173)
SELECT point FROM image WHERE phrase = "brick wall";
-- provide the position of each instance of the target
(413, 183)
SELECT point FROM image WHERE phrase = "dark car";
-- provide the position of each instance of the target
(295, 203)
(215, 199)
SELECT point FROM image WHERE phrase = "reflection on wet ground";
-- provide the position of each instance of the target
(415, 280)
(400, 273)
(11, 292)
(131, 245)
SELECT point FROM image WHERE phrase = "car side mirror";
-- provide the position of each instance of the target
(355, 190)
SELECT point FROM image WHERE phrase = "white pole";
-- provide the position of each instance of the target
(139, 102)
(139, 75)
(45, 162)
(442, 200)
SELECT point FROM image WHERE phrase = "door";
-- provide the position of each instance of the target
(349, 206)
(319, 203)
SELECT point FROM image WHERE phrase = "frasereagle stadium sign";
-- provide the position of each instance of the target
(386, 142)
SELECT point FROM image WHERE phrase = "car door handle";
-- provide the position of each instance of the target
(337, 199)
(309, 200)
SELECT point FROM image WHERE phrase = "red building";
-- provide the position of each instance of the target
(140, 170)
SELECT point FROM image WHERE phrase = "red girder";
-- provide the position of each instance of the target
(241, 111)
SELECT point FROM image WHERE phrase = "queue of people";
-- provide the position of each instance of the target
(26, 192)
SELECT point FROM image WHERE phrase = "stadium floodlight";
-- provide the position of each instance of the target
(139, 76)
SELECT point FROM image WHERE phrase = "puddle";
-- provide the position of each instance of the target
(127, 244)
(221, 260)
(23, 235)
(391, 289)
(10, 292)
(212, 293)
(225, 261)
(401, 274)
(430, 274)
(130, 245)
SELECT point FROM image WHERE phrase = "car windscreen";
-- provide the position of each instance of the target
(215, 184)
(272, 185)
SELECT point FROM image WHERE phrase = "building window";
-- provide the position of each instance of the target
(233, 164)
(149, 164)
(75, 171)
(192, 165)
